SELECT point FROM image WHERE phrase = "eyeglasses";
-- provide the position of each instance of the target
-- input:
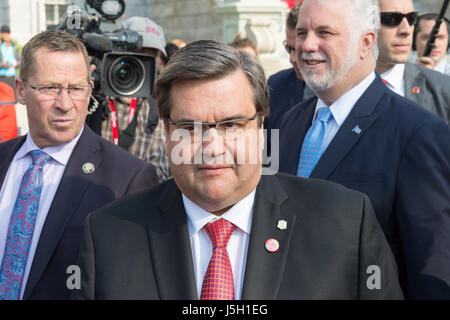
(78, 92)
(393, 19)
(288, 48)
(228, 129)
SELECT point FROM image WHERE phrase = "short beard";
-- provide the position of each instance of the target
(331, 76)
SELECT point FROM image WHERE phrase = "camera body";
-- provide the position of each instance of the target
(119, 71)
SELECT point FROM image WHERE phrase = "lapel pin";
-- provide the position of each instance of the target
(88, 167)
(356, 129)
(416, 90)
(282, 224)
(272, 245)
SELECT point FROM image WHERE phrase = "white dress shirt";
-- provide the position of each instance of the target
(52, 173)
(395, 79)
(240, 215)
(342, 107)
(443, 66)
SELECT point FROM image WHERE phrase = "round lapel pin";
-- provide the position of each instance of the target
(88, 167)
(416, 90)
(272, 245)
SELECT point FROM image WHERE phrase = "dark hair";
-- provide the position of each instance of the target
(210, 59)
(5, 29)
(291, 21)
(53, 40)
(239, 42)
(170, 50)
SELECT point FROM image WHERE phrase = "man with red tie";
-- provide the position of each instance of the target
(223, 228)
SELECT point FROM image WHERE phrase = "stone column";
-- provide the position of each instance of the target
(263, 21)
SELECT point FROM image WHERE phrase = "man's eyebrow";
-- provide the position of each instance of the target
(321, 27)
(235, 117)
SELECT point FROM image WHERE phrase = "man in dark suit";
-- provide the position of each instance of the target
(375, 142)
(427, 88)
(271, 237)
(82, 172)
(286, 87)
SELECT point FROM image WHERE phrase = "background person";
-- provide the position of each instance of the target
(71, 171)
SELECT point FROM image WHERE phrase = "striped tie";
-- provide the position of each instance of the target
(218, 281)
(21, 226)
(312, 147)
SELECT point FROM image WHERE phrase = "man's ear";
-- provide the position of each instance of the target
(19, 88)
(367, 43)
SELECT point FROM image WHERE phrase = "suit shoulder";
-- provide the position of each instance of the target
(280, 76)
(137, 206)
(316, 188)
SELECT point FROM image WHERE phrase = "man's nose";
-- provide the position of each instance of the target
(63, 100)
(214, 141)
(404, 28)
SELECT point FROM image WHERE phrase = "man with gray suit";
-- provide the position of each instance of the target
(427, 88)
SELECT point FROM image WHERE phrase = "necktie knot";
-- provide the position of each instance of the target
(324, 114)
(219, 232)
(39, 157)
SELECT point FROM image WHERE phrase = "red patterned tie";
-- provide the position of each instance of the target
(218, 281)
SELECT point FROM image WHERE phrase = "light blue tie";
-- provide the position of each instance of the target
(312, 147)
(21, 226)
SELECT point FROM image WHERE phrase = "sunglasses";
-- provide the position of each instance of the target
(393, 19)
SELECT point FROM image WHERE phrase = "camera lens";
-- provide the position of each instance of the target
(126, 75)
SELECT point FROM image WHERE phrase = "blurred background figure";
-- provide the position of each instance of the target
(438, 59)
(244, 44)
(133, 123)
(163, 59)
(9, 55)
(178, 42)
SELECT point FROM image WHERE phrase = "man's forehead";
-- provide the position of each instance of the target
(403, 6)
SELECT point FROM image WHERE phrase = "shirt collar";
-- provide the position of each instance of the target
(394, 76)
(240, 214)
(441, 66)
(342, 106)
(61, 153)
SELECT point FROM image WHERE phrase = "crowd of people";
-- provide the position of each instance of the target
(170, 200)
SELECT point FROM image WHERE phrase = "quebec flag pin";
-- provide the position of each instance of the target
(282, 224)
(88, 167)
(356, 129)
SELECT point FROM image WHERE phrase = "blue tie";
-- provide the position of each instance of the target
(312, 147)
(21, 226)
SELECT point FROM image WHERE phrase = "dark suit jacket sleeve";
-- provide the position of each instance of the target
(378, 276)
(423, 208)
(144, 178)
(87, 266)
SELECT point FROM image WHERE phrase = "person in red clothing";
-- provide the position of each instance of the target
(8, 123)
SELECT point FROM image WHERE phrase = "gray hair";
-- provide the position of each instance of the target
(364, 17)
(53, 40)
(210, 59)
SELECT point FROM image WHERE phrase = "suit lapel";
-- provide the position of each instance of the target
(298, 129)
(264, 270)
(7, 155)
(171, 250)
(354, 127)
(68, 195)
(414, 81)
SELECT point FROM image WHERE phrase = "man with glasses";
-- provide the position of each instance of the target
(287, 87)
(426, 87)
(55, 175)
(221, 229)
(362, 135)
